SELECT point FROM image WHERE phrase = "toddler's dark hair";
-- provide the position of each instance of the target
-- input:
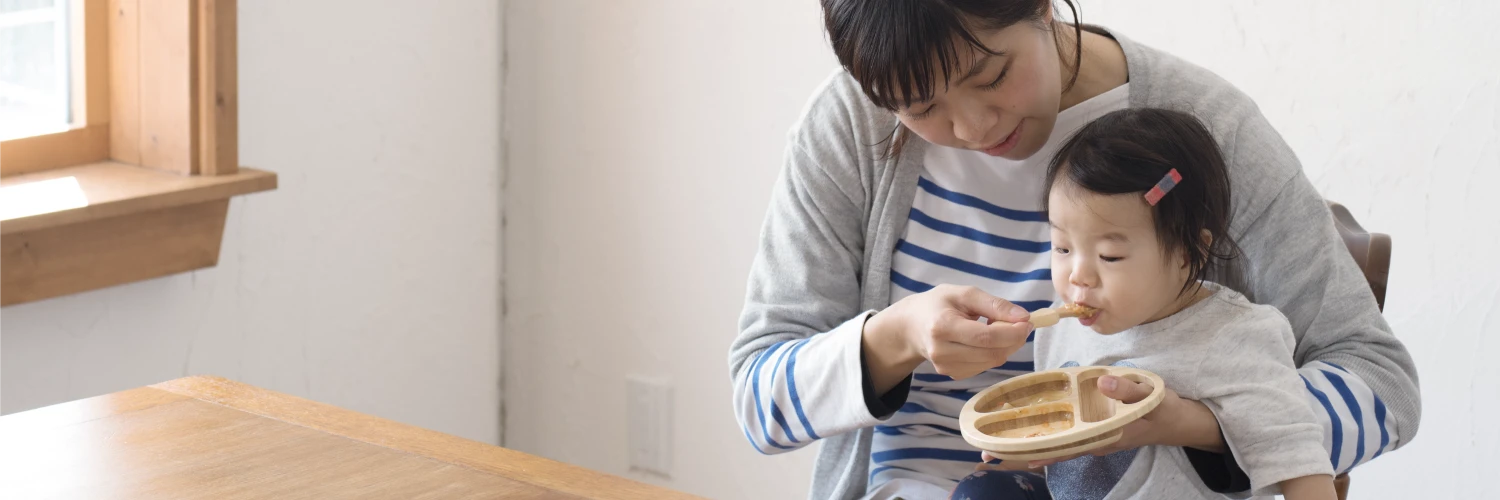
(1129, 151)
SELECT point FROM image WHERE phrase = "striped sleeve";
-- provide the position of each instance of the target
(795, 364)
(797, 391)
(1355, 424)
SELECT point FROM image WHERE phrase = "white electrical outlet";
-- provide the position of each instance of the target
(648, 407)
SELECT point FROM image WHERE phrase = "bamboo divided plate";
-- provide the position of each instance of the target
(1053, 413)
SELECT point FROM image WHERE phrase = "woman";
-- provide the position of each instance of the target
(909, 209)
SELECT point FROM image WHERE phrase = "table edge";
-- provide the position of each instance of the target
(519, 466)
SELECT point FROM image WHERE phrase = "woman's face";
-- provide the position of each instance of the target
(1004, 105)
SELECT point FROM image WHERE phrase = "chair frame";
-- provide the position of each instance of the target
(1372, 252)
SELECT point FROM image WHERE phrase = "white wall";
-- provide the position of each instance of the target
(370, 279)
(645, 137)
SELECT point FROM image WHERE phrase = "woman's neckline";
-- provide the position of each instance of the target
(1105, 67)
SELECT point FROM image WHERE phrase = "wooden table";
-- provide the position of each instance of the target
(207, 437)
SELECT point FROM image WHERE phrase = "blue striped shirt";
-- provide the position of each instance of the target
(976, 220)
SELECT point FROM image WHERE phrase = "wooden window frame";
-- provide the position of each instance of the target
(152, 151)
(87, 137)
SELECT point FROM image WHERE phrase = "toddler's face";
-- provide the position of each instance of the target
(1105, 254)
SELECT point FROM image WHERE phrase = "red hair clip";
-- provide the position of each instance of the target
(1163, 186)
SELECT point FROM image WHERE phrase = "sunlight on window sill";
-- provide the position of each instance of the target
(11, 133)
(41, 197)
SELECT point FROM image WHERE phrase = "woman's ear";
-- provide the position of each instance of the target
(1208, 239)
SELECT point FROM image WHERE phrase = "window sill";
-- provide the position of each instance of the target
(74, 229)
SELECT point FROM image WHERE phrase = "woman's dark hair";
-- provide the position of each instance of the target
(901, 51)
(1129, 151)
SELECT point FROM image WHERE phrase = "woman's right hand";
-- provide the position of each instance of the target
(942, 325)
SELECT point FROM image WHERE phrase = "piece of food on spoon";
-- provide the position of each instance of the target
(1076, 311)
(1047, 316)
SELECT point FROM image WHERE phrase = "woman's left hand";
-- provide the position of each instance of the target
(1175, 422)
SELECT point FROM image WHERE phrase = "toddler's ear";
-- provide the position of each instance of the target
(1208, 242)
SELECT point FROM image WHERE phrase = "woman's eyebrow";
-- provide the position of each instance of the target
(979, 66)
(975, 69)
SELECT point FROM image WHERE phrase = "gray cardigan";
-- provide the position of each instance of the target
(839, 208)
